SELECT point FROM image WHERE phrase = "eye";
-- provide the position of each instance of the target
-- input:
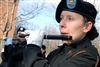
(61, 18)
(70, 18)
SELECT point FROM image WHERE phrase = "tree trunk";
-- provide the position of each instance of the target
(1, 47)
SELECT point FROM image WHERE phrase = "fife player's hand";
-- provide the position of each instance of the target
(35, 37)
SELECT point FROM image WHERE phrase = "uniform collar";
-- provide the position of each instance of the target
(79, 43)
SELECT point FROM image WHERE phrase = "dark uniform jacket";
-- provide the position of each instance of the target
(13, 54)
(80, 54)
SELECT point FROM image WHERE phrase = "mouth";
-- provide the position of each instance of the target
(64, 34)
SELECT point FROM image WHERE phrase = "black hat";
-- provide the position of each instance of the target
(21, 29)
(81, 7)
(78, 6)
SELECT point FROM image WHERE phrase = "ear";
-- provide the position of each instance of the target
(88, 26)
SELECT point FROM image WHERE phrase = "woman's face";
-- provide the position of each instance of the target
(72, 24)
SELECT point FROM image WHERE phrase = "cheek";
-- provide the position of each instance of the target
(77, 31)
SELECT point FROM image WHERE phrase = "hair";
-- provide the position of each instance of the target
(85, 19)
(92, 34)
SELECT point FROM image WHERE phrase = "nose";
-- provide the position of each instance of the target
(62, 24)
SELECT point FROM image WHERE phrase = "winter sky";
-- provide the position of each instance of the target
(45, 17)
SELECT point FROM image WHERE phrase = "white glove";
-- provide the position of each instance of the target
(35, 37)
(8, 41)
